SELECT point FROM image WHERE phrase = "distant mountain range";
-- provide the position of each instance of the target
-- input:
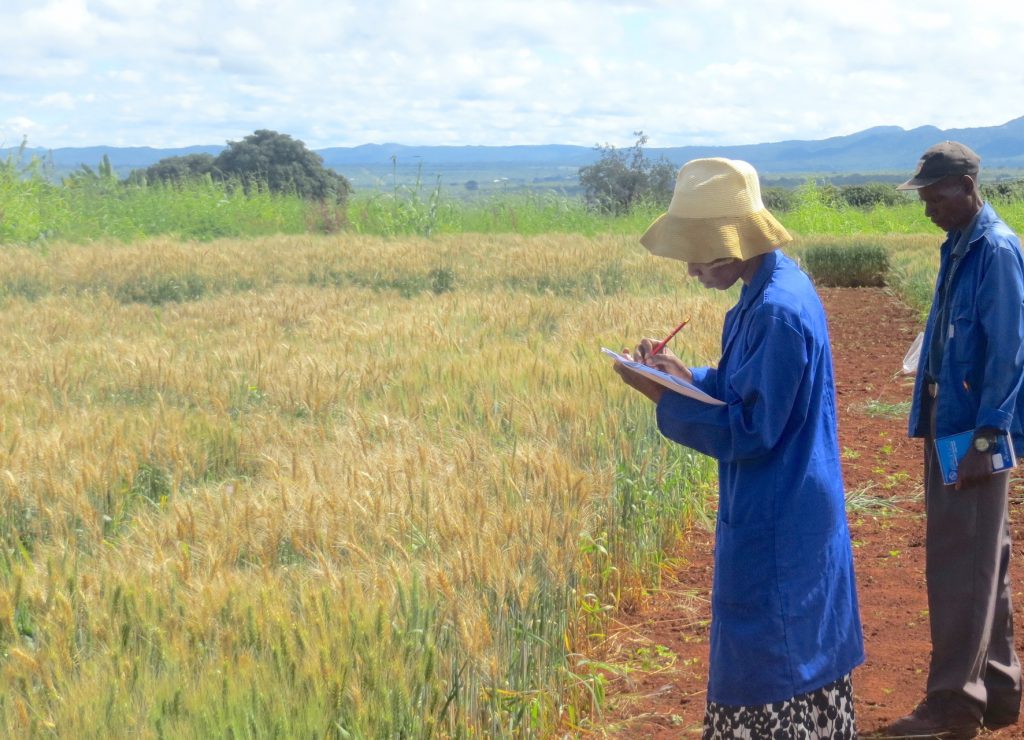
(887, 152)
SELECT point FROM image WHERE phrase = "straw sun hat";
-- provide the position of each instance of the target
(716, 212)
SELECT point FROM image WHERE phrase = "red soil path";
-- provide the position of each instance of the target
(664, 642)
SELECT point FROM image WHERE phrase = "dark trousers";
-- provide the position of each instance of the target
(967, 570)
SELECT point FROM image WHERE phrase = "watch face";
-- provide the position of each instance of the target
(981, 444)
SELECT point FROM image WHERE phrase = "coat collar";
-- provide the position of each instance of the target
(760, 279)
(982, 222)
(749, 295)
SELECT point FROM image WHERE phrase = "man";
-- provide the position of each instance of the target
(968, 378)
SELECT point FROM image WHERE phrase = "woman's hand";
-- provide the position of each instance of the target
(637, 381)
(665, 360)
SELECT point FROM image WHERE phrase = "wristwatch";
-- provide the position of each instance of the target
(984, 443)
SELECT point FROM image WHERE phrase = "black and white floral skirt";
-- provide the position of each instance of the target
(817, 715)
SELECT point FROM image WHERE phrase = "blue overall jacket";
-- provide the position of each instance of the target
(983, 358)
(783, 602)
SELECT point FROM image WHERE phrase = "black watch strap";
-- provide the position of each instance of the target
(984, 442)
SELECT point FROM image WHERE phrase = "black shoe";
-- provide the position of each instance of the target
(936, 718)
(995, 719)
(1003, 708)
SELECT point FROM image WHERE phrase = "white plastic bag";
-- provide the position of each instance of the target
(913, 355)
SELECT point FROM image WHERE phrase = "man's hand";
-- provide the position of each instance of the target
(973, 468)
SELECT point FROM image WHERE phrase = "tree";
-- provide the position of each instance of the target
(621, 179)
(283, 164)
(175, 169)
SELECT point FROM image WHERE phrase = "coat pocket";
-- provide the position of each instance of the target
(961, 344)
(746, 572)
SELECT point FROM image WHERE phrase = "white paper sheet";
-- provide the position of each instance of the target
(677, 385)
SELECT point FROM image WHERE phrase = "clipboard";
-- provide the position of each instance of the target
(674, 384)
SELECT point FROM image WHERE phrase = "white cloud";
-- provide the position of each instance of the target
(13, 130)
(62, 100)
(166, 73)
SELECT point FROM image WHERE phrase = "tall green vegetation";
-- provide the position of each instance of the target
(36, 211)
(185, 197)
(416, 211)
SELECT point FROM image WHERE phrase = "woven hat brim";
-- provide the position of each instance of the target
(703, 240)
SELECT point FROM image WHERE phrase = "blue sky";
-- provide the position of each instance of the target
(343, 73)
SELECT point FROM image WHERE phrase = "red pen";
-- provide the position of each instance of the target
(661, 345)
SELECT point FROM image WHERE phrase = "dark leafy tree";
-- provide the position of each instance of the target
(175, 169)
(622, 178)
(283, 164)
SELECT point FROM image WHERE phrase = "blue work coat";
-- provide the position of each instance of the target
(784, 617)
(983, 358)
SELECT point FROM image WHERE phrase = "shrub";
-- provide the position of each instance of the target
(1003, 192)
(856, 266)
(778, 198)
(871, 194)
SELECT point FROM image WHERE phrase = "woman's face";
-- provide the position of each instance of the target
(719, 275)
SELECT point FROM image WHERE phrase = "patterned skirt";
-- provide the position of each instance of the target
(825, 714)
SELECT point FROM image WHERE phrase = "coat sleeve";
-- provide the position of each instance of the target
(706, 378)
(762, 394)
(1000, 302)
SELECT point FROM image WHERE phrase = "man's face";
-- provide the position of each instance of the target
(949, 203)
(719, 275)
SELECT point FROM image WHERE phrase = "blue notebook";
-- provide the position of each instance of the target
(951, 450)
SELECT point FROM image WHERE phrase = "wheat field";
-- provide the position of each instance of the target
(328, 486)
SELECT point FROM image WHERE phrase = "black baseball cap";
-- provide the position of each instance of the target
(943, 160)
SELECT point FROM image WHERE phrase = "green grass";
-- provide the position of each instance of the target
(33, 211)
(874, 498)
(896, 410)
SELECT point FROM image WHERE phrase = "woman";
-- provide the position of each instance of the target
(785, 630)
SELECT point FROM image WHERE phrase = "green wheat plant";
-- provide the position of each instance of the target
(852, 265)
